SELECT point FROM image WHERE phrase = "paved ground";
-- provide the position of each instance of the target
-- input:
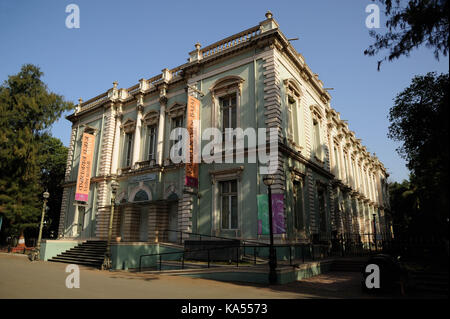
(20, 278)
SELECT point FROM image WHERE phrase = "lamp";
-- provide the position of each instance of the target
(107, 261)
(37, 251)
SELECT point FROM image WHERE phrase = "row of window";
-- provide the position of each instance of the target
(229, 120)
(229, 206)
(367, 180)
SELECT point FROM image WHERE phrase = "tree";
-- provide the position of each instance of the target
(27, 110)
(410, 26)
(52, 157)
(419, 119)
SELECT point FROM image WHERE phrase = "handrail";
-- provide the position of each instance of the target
(189, 251)
(211, 236)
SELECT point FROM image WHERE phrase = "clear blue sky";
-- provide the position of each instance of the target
(129, 40)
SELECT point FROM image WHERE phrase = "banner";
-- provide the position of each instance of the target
(278, 213)
(193, 116)
(278, 225)
(85, 167)
(263, 214)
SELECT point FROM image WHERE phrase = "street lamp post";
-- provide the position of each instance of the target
(107, 264)
(268, 181)
(37, 251)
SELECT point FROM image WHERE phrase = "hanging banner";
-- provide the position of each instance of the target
(263, 214)
(193, 116)
(85, 167)
(278, 214)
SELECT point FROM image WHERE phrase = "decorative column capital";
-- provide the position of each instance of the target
(140, 101)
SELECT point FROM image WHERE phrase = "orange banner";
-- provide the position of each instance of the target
(85, 167)
(193, 114)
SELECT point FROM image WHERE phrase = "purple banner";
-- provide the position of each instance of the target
(278, 214)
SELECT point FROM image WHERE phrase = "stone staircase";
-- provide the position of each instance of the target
(90, 253)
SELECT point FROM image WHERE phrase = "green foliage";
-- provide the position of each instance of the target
(52, 157)
(410, 26)
(419, 119)
(27, 110)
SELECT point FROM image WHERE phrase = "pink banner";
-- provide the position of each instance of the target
(278, 225)
(85, 167)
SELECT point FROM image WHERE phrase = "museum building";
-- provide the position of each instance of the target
(326, 183)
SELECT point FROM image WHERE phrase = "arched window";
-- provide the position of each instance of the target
(225, 95)
(293, 95)
(140, 196)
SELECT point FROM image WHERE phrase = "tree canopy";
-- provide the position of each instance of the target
(27, 111)
(419, 120)
(411, 24)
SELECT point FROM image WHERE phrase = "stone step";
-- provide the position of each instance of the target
(76, 258)
(81, 256)
(99, 250)
(77, 262)
(90, 253)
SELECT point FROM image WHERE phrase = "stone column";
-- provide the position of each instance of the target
(332, 156)
(162, 113)
(75, 222)
(115, 156)
(65, 197)
(137, 136)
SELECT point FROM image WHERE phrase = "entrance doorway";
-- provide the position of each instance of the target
(143, 224)
(173, 222)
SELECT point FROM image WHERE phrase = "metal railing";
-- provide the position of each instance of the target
(191, 235)
(319, 247)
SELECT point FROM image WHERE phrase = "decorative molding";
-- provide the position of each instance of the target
(226, 174)
(227, 84)
(151, 118)
(129, 126)
(176, 109)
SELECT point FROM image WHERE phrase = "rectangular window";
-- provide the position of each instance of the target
(322, 209)
(353, 173)
(293, 125)
(128, 148)
(229, 199)
(152, 136)
(176, 123)
(316, 140)
(336, 162)
(345, 167)
(298, 205)
(228, 108)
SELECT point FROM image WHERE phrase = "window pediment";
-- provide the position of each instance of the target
(129, 126)
(226, 174)
(151, 118)
(90, 130)
(227, 84)
(176, 109)
(293, 88)
(317, 112)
